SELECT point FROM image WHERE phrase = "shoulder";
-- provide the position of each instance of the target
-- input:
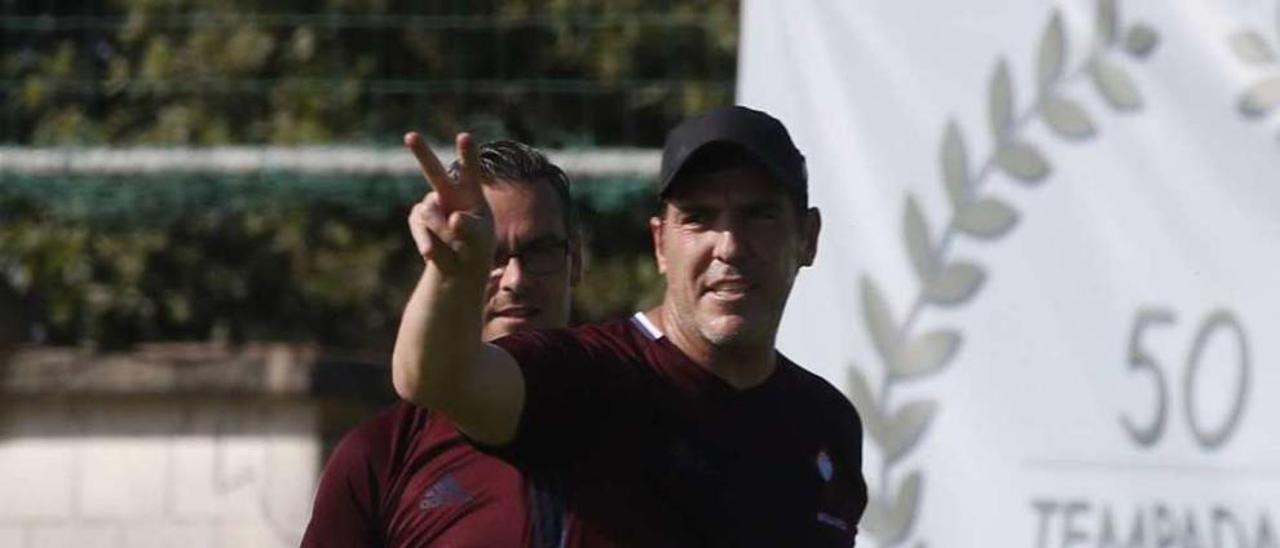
(349, 498)
(590, 341)
(373, 444)
(828, 401)
(603, 333)
(581, 360)
(576, 382)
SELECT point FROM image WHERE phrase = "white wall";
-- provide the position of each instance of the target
(163, 472)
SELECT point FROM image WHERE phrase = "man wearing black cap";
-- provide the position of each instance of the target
(682, 426)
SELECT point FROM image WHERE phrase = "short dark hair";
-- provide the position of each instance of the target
(517, 162)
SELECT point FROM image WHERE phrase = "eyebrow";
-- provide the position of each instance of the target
(691, 206)
(690, 209)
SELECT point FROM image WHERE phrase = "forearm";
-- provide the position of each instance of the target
(439, 338)
(439, 361)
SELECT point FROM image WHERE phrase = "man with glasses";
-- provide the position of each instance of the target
(407, 477)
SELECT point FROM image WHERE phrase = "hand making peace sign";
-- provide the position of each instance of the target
(452, 225)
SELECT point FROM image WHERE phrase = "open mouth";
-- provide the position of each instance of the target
(729, 290)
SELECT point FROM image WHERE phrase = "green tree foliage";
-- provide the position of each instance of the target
(203, 72)
(104, 262)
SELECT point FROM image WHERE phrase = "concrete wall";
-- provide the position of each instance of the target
(158, 471)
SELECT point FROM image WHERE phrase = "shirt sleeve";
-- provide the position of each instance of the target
(345, 512)
(849, 452)
(567, 387)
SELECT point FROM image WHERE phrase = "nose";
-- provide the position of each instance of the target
(728, 247)
(513, 278)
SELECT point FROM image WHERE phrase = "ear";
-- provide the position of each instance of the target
(655, 232)
(575, 259)
(810, 226)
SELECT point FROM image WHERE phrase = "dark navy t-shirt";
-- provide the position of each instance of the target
(650, 449)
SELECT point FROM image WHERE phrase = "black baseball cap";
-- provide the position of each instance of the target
(762, 138)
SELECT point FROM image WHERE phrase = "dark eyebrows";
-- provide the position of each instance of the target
(684, 210)
(763, 206)
(543, 240)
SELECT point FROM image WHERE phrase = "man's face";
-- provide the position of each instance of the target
(532, 290)
(729, 244)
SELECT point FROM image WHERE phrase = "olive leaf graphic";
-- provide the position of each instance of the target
(1260, 97)
(906, 351)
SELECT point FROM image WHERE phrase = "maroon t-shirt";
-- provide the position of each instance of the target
(407, 478)
(622, 442)
(653, 450)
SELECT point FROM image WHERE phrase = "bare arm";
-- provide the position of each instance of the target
(439, 361)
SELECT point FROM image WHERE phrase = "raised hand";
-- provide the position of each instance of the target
(452, 225)
(439, 361)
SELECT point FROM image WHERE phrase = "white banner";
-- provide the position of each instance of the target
(1049, 267)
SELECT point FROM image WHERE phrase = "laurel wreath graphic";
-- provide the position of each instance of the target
(908, 356)
(1262, 96)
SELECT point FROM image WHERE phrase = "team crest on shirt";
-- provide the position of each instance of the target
(825, 468)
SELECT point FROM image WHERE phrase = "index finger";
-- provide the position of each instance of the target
(432, 170)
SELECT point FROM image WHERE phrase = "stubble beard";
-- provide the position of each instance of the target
(731, 332)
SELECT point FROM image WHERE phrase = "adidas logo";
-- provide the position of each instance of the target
(446, 492)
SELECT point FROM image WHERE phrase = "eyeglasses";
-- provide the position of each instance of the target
(545, 257)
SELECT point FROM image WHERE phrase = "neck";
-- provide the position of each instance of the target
(741, 366)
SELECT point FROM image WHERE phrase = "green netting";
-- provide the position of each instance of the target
(150, 201)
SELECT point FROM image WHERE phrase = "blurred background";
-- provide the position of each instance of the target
(203, 254)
